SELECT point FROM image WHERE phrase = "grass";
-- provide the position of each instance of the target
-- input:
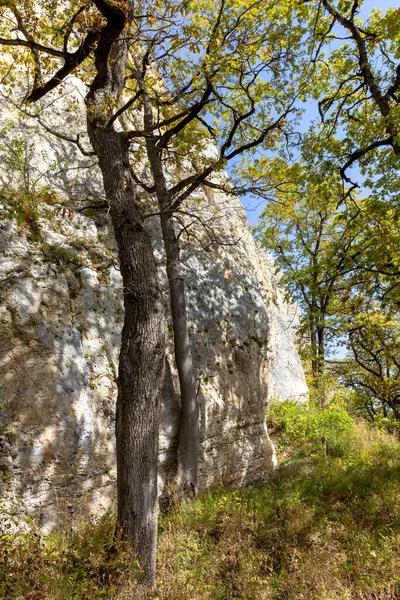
(325, 526)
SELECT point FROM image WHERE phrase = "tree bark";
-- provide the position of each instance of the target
(188, 449)
(314, 345)
(321, 348)
(141, 362)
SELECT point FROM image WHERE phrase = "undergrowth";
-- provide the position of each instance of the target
(324, 526)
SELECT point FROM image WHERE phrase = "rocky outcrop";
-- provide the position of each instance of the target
(61, 315)
(286, 379)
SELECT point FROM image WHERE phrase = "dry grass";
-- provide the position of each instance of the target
(327, 532)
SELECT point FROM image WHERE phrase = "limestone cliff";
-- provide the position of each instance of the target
(60, 320)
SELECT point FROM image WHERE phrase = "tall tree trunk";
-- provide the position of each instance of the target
(141, 362)
(188, 450)
(321, 348)
(314, 349)
(188, 453)
(320, 364)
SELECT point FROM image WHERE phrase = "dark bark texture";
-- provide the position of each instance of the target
(188, 449)
(141, 363)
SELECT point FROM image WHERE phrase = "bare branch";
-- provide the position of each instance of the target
(66, 138)
(69, 26)
(192, 114)
(124, 108)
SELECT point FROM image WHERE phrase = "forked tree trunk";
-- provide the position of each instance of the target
(141, 362)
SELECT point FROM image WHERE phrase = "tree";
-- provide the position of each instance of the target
(357, 84)
(340, 260)
(229, 76)
(316, 243)
(141, 361)
(190, 97)
(380, 260)
(373, 367)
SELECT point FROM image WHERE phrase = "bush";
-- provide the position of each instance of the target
(71, 564)
(309, 430)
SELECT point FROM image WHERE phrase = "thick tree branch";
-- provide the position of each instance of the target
(391, 92)
(71, 62)
(370, 81)
(361, 152)
(35, 46)
(116, 13)
(363, 60)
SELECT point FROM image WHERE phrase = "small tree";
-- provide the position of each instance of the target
(373, 367)
(316, 243)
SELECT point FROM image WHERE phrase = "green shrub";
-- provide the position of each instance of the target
(309, 430)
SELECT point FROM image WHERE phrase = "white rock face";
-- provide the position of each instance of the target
(286, 379)
(61, 315)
